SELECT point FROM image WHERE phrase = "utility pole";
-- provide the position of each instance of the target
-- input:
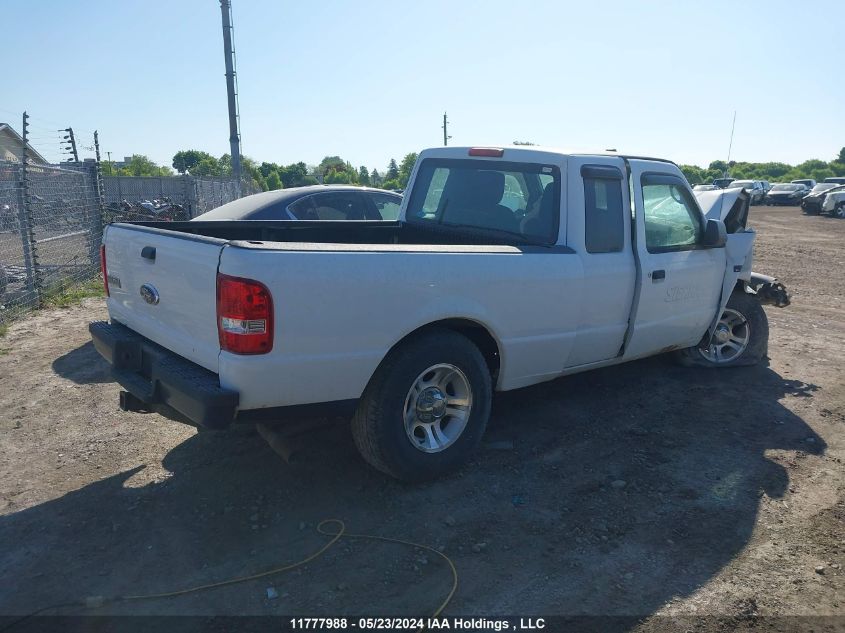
(231, 89)
(445, 125)
(71, 139)
(109, 155)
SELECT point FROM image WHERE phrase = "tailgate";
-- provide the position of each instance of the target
(163, 285)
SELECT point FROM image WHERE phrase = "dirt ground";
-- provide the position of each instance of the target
(646, 489)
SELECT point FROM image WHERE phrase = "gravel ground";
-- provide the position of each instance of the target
(645, 489)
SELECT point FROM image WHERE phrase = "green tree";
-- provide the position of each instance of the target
(273, 181)
(185, 160)
(337, 177)
(295, 175)
(405, 169)
(694, 174)
(363, 176)
(392, 171)
(331, 162)
(392, 184)
(375, 178)
(140, 165)
(266, 168)
(207, 167)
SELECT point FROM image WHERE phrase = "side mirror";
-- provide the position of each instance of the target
(715, 234)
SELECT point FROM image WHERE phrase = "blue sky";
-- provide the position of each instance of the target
(370, 80)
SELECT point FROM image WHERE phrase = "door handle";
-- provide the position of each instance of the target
(657, 275)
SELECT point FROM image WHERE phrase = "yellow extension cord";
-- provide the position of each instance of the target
(336, 536)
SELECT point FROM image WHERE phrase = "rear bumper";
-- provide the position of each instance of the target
(157, 377)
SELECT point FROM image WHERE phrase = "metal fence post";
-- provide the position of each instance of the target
(95, 226)
(30, 253)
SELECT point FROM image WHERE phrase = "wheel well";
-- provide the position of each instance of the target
(474, 331)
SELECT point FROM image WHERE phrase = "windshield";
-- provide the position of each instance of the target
(786, 187)
(516, 199)
(824, 187)
(743, 183)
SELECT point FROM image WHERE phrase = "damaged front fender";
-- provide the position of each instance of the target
(768, 290)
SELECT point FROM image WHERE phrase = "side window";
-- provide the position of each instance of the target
(388, 206)
(672, 220)
(303, 209)
(604, 228)
(339, 206)
(513, 197)
(434, 193)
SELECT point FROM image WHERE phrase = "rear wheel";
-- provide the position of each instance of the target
(741, 337)
(425, 410)
(839, 211)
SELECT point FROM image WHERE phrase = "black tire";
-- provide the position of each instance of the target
(378, 426)
(839, 211)
(757, 348)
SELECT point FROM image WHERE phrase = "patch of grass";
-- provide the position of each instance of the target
(64, 296)
(3, 329)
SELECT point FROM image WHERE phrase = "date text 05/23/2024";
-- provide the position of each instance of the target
(398, 624)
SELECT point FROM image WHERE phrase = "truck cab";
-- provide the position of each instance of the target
(650, 272)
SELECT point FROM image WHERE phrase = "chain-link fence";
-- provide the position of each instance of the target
(195, 195)
(51, 220)
(50, 231)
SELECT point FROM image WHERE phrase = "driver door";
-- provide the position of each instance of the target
(680, 278)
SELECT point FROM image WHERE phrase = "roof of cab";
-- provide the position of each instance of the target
(527, 149)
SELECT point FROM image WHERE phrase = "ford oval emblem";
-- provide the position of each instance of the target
(150, 294)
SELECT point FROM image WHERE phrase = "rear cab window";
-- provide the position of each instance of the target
(604, 216)
(521, 200)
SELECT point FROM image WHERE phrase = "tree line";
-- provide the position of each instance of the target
(816, 169)
(270, 176)
(334, 170)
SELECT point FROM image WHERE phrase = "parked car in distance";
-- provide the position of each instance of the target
(410, 326)
(723, 183)
(786, 193)
(314, 202)
(834, 202)
(705, 188)
(839, 180)
(807, 182)
(754, 188)
(766, 185)
(813, 201)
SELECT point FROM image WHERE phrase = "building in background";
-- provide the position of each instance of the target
(11, 145)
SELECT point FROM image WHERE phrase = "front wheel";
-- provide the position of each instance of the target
(425, 409)
(839, 211)
(741, 337)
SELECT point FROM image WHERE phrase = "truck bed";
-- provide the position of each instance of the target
(328, 232)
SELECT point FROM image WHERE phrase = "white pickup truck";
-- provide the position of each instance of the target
(506, 268)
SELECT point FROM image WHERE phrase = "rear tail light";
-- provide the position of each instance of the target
(491, 152)
(244, 315)
(103, 268)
